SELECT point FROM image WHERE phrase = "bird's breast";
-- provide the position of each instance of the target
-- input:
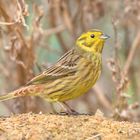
(90, 71)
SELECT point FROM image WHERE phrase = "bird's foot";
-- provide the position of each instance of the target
(71, 112)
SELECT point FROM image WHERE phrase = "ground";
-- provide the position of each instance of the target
(63, 127)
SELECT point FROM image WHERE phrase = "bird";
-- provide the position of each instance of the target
(73, 75)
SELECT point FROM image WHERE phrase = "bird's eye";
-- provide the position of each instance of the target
(92, 35)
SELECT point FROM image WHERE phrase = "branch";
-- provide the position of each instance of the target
(131, 54)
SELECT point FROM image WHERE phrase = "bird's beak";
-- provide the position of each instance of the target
(104, 36)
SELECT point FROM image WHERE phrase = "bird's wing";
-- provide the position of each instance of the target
(65, 66)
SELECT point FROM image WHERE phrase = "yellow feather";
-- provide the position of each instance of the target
(72, 76)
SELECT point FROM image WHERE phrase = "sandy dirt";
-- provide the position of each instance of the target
(58, 127)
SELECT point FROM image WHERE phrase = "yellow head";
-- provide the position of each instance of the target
(91, 41)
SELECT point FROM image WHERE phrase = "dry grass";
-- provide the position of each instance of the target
(47, 127)
(50, 27)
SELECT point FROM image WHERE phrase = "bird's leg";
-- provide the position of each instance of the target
(68, 109)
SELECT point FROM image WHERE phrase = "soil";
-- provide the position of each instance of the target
(63, 127)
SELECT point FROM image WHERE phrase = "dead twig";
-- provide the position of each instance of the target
(131, 54)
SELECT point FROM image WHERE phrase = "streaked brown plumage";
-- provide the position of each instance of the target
(73, 75)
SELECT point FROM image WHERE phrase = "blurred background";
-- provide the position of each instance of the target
(35, 33)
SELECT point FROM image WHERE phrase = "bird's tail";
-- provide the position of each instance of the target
(7, 96)
(24, 91)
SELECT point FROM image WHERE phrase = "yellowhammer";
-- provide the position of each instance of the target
(73, 75)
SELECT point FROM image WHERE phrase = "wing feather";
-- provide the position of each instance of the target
(65, 66)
